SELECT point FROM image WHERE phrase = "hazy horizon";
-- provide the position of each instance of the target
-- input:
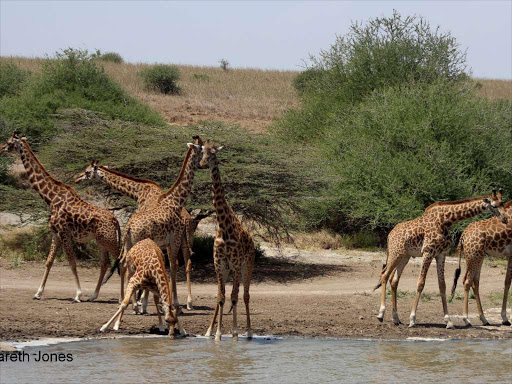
(262, 35)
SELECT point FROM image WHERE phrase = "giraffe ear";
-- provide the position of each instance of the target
(220, 148)
(193, 145)
(486, 200)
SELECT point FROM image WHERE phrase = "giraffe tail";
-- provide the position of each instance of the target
(379, 284)
(460, 249)
(117, 262)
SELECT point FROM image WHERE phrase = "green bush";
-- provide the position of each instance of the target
(382, 53)
(310, 79)
(406, 147)
(112, 57)
(11, 79)
(161, 78)
(72, 79)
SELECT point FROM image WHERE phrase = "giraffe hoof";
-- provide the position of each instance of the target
(505, 322)
(412, 325)
(36, 298)
(380, 318)
(76, 301)
(450, 326)
(91, 299)
(397, 323)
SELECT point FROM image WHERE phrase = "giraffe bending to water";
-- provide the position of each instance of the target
(428, 236)
(146, 268)
(492, 237)
(233, 248)
(146, 193)
(71, 218)
(162, 223)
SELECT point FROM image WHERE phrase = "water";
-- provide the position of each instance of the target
(264, 360)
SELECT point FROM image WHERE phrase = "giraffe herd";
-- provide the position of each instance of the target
(161, 220)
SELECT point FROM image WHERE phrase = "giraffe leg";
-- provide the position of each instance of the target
(476, 290)
(122, 272)
(121, 309)
(144, 301)
(68, 248)
(105, 264)
(56, 242)
(246, 278)
(467, 286)
(427, 260)
(188, 267)
(393, 261)
(394, 287)
(222, 301)
(172, 252)
(161, 326)
(442, 289)
(234, 302)
(508, 279)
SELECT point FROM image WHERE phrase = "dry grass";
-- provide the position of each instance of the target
(495, 89)
(318, 240)
(249, 97)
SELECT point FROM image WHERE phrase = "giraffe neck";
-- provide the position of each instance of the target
(452, 213)
(126, 185)
(176, 196)
(222, 208)
(40, 179)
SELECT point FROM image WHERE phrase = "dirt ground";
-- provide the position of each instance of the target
(297, 293)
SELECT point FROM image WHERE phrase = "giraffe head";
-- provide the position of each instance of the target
(13, 143)
(209, 154)
(196, 150)
(495, 205)
(171, 316)
(88, 173)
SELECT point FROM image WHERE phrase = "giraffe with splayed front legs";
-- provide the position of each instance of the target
(485, 237)
(233, 248)
(146, 268)
(146, 193)
(162, 223)
(71, 218)
(427, 236)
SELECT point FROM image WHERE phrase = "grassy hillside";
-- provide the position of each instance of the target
(266, 179)
(250, 97)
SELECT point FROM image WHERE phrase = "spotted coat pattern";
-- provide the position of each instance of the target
(146, 270)
(71, 218)
(146, 193)
(491, 237)
(233, 248)
(427, 236)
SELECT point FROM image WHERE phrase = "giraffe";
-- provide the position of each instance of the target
(233, 248)
(162, 222)
(146, 193)
(146, 269)
(428, 236)
(492, 237)
(71, 218)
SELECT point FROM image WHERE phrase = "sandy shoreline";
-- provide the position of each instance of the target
(308, 294)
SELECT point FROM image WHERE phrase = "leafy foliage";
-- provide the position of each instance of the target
(162, 78)
(112, 57)
(72, 79)
(11, 79)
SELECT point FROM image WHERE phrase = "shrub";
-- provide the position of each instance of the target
(407, 147)
(310, 79)
(162, 78)
(224, 64)
(11, 79)
(71, 79)
(382, 53)
(112, 57)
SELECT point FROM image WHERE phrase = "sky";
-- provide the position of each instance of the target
(257, 34)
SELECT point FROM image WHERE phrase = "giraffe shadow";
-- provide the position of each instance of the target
(271, 270)
(84, 301)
